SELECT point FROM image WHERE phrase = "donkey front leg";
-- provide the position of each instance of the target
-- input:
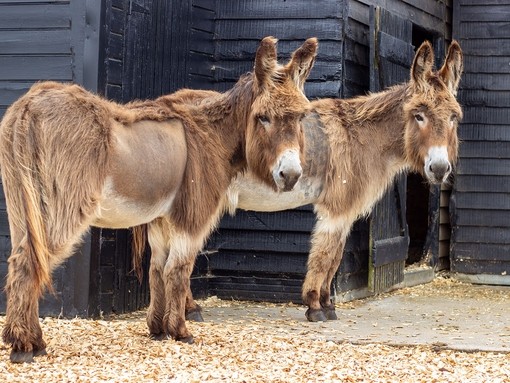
(328, 243)
(177, 273)
(158, 241)
(22, 329)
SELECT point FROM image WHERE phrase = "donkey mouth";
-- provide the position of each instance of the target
(288, 171)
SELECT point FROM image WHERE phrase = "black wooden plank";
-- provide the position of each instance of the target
(484, 29)
(117, 21)
(323, 89)
(232, 70)
(485, 149)
(483, 64)
(472, 234)
(24, 68)
(201, 42)
(481, 251)
(205, 4)
(295, 9)
(485, 218)
(483, 47)
(289, 220)
(115, 46)
(35, 16)
(11, 91)
(36, 42)
(484, 166)
(4, 224)
(487, 13)
(484, 2)
(389, 250)
(486, 81)
(240, 49)
(294, 242)
(478, 267)
(266, 261)
(395, 50)
(479, 97)
(202, 20)
(484, 132)
(491, 201)
(482, 183)
(486, 115)
(330, 29)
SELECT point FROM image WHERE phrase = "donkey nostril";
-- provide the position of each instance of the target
(282, 174)
(430, 168)
(448, 168)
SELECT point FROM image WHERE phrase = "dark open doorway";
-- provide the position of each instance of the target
(418, 191)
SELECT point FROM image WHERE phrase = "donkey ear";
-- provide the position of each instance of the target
(452, 68)
(302, 61)
(422, 64)
(265, 61)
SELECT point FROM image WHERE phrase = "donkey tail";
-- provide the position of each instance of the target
(23, 192)
(139, 240)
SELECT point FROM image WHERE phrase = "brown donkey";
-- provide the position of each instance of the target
(354, 150)
(70, 159)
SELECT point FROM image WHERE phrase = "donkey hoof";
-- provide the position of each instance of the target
(41, 352)
(160, 336)
(315, 315)
(22, 356)
(330, 314)
(194, 316)
(187, 339)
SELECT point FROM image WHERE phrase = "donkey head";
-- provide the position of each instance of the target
(432, 113)
(274, 137)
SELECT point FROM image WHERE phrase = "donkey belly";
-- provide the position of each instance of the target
(148, 166)
(249, 194)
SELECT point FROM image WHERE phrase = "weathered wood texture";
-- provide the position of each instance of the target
(43, 40)
(481, 193)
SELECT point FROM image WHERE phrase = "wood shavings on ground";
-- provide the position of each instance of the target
(117, 349)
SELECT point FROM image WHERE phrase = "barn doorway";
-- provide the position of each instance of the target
(418, 201)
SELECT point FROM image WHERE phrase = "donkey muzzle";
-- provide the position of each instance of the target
(437, 167)
(287, 170)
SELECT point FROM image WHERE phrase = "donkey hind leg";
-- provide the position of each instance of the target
(177, 275)
(193, 310)
(327, 247)
(22, 329)
(159, 242)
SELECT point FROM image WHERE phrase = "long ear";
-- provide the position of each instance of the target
(265, 61)
(422, 64)
(302, 61)
(451, 70)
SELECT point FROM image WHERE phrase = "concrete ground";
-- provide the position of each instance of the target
(444, 314)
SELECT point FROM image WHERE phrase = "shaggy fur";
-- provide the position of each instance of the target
(70, 159)
(369, 141)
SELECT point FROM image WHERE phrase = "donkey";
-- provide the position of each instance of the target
(70, 159)
(354, 150)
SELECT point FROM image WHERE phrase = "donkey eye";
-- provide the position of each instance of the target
(419, 117)
(264, 120)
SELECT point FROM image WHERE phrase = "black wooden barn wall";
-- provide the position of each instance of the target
(152, 47)
(263, 255)
(481, 211)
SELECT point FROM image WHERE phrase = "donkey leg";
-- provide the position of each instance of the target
(193, 309)
(328, 307)
(177, 275)
(159, 252)
(327, 245)
(22, 329)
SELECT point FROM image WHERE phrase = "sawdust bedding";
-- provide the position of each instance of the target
(117, 349)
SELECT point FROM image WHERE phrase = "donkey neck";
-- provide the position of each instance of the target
(377, 127)
(227, 114)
